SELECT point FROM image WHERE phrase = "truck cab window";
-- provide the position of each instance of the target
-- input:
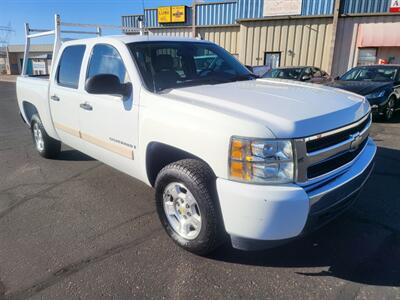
(69, 66)
(105, 59)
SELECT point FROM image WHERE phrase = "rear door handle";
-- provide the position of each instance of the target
(86, 106)
(54, 98)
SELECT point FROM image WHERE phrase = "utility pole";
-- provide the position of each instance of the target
(336, 12)
(194, 19)
(5, 32)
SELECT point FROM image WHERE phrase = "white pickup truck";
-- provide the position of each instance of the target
(255, 161)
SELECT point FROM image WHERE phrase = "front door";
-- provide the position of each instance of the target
(65, 95)
(109, 122)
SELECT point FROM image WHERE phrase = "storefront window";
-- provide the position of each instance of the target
(366, 56)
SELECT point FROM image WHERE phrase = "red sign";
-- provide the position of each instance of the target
(395, 6)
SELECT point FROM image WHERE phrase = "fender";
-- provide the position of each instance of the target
(167, 121)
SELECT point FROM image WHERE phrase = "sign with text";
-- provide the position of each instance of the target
(178, 14)
(282, 7)
(171, 14)
(395, 6)
(164, 14)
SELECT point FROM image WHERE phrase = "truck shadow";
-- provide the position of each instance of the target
(363, 245)
(73, 155)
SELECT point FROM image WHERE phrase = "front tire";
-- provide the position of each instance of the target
(389, 109)
(44, 144)
(187, 206)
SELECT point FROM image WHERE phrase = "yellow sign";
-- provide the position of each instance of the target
(164, 14)
(172, 14)
(178, 14)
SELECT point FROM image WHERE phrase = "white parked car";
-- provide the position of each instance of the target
(257, 161)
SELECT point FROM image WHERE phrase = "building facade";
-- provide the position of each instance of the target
(39, 61)
(334, 35)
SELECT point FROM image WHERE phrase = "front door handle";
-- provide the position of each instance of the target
(86, 106)
(54, 98)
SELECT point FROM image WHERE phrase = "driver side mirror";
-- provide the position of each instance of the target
(337, 77)
(305, 77)
(107, 84)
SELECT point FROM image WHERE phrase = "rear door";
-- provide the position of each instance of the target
(65, 93)
(109, 123)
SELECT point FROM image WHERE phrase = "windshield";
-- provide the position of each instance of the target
(371, 74)
(289, 73)
(166, 65)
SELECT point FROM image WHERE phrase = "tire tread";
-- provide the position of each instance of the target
(203, 177)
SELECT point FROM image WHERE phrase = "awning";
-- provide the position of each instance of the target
(379, 35)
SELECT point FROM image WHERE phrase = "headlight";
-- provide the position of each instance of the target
(375, 95)
(261, 161)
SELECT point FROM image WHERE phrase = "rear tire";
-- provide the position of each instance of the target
(44, 144)
(185, 194)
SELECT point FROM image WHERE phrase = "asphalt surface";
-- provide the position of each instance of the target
(75, 228)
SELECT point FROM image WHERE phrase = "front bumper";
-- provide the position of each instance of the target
(260, 216)
(378, 105)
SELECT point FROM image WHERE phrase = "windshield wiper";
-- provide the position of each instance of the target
(210, 80)
(244, 77)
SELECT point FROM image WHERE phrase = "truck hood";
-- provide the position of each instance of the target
(289, 109)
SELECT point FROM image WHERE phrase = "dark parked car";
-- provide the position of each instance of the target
(380, 84)
(309, 74)
(258, 70)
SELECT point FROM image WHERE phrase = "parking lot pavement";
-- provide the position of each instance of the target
(8, 78)
(75, 228)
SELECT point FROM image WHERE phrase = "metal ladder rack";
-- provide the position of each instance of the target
(31, 33)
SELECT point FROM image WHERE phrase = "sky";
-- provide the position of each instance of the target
(40, 13)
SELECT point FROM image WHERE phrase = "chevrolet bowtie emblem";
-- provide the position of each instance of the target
(356, 141)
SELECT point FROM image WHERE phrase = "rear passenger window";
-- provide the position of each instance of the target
(105, 59)
(70, 66)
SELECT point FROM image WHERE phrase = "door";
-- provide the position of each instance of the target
(272, 59)
(65, 94)
(29, 68)
(109, 122)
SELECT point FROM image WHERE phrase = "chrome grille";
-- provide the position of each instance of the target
(325, 154)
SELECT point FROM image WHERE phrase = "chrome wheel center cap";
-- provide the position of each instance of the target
(182, 210)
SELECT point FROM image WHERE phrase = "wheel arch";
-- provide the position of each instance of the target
(396, 97)
(159, 155)
(29, 111)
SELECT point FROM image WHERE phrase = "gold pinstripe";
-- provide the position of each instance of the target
(118, 149)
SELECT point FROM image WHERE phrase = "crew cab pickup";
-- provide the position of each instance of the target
(257, 162)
